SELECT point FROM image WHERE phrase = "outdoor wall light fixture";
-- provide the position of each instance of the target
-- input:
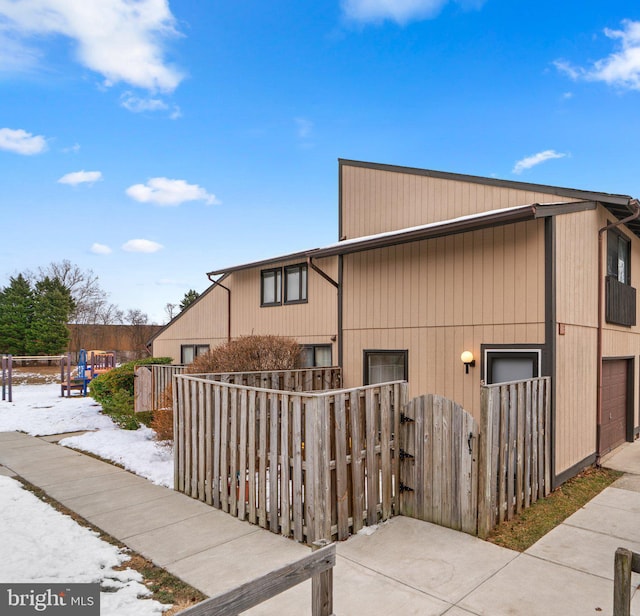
(467, 360)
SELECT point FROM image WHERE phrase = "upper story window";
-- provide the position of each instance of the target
(618, 257)
(292, 285)
(295, 283)
(620, 296)
(271, 281)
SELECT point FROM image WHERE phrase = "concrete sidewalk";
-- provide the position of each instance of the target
(406, 567)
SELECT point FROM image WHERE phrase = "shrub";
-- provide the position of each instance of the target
(114, 391)
(249, 354)
(244, 354)
(162, 423)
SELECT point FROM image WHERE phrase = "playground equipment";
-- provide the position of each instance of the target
(7, 370)
(90, 365)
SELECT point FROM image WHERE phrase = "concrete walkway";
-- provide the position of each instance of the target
(406, 567)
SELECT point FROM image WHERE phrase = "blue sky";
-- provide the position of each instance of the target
(153, 141)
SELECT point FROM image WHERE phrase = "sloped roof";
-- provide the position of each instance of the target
(461, 224)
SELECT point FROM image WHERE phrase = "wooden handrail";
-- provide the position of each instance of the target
(318, 566)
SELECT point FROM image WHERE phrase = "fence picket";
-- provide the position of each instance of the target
(298, 511)
(357, 470)
(243, 480)
(342, 487)
(274, 525)
(285, 467)
(372, 467)
(224, 450)
(201, 419)
(385, 449)
(262, 457)
(251, 462)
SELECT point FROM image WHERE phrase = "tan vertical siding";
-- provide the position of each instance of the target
(313, 322)
(577, 309)
(375, 200)
(204, 322)
(441, 297)
(308, 322)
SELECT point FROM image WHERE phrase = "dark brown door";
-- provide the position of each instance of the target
(613, 428)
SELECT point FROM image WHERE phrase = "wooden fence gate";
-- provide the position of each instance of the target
(143, 389)
(439, 463)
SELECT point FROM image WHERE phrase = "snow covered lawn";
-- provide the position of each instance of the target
(47, 546)
(39, 410)
(41, 545)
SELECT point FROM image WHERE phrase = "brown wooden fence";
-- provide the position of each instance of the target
(152, 380)
(310, 466)
(515, 451)
(321, 465)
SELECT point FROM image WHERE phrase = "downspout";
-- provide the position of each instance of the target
(219, 284)
(337, 285)
(636, 204)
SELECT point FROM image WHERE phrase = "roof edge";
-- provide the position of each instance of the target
(206, 292)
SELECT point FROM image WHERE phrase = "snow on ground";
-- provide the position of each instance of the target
(49, 547)
(134, 449)
(39, 410)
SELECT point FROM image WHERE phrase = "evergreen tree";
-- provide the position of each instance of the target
(189, 297)
(48, 333)
(16, 311)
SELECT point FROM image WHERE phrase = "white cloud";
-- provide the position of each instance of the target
(74, 149)
(80, 177)
(565, 67)
(621, 68)
(536, 159)
(21, 142)
(163, 191)
(142, 246)
(400, 11)
(122, 40)
(136, 104)
(100, 249)
(304, 127)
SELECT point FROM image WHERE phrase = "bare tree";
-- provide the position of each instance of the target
(135, 316)
(91, 301)
(170, 310)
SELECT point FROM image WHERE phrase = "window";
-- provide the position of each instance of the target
(316, 356)
(295, 284)
(385, 366)
(506, 365)
(271, 281)
(188, 352)
(294, 281)
(620, 296)
(618, 257)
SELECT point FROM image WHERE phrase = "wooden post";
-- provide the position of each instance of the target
(485, 473)
(322, 587)
(622, 582)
